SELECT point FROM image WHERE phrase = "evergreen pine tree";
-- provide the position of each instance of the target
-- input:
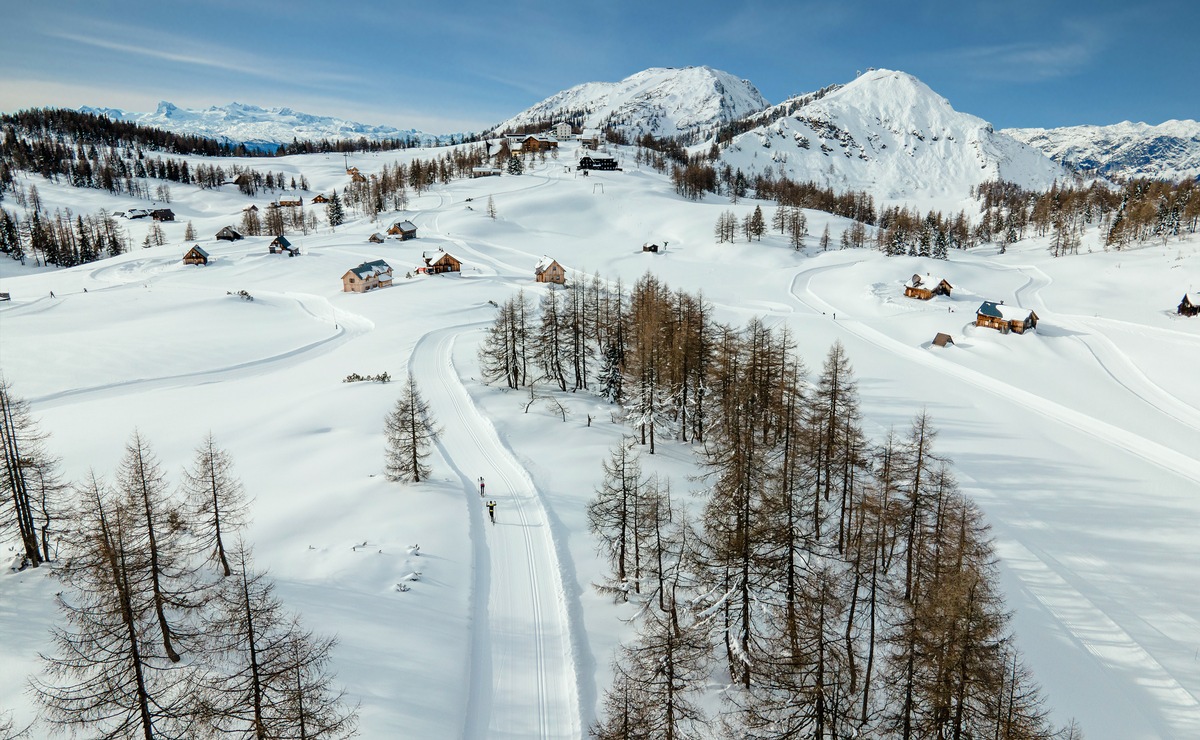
(333, 210)
(514, 166)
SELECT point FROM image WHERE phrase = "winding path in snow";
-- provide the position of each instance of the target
(523, 680)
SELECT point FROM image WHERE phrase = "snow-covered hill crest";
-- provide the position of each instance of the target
(1170, 150)
(256, 127)
(690, 102)
(888, 133)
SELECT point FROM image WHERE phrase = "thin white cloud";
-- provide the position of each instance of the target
(187, 51)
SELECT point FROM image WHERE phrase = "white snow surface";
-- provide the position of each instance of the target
(663, 101)
(239, 123)
(1169, 150)
(888, 133)
(1079, 440)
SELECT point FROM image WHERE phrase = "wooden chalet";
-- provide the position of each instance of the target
(597, 161)
(1190, 305)
(590, 138)
(250, 207)
(926, 287)
(356, 176)
(281, 245)
(549, 271)
(196, 256)
(440, 262)
(650, 247)
(538, 143)
(375, 238)
(319, 198)
(941, 340)
(162, 214)
(485, 172)
(229, 234)
(404, 229)
(367, 276)
(136, 213)
(1005, 318)
(289, 200)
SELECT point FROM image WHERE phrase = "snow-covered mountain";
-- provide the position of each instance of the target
(688, 101)
(1169, 150)
(258, 127)
(889, 134)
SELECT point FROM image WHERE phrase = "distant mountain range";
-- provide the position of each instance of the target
(1169, 150)
(885, 132)
(261, 128)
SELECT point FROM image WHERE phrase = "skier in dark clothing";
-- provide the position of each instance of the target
(492, 511)
(481, 486)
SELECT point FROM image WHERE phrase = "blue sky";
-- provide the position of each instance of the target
(444, 67)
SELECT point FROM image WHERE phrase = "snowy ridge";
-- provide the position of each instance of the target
(692, 101)
(1170, 150)
(889, 133)
(258, 128)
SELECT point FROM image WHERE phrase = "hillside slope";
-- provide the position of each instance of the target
(889, 134)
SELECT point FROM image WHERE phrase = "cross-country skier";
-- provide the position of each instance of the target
(492, 511)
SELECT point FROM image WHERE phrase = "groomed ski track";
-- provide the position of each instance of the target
(522, 681)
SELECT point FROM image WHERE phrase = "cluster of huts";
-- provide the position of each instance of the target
(990, 314)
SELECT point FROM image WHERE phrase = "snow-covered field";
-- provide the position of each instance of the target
(1081, 441)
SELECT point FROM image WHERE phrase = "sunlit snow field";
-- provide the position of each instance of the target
(1081, 441)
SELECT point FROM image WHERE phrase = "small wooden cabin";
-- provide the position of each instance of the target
(375, 238)
(590, 138)
(162, 214)
(404, 229)
(649, 247)
(289, 200)
(250, 207)
(280, 245)
(538, 143)
(598, 161)
(196, 256)
(926, 287)
(1005, 318)
(485, 172)
(440, 262)
(549, 271)
(357, 176)
(367, 276)
(941, 340)
(229, 234)
(319, 198)
(1190, 305)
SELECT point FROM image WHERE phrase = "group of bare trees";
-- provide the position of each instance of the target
(1138, 211)
(837, 587)
(167, 629)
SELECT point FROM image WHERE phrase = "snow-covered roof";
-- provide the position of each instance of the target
(929, 282)
(374, 268)
(405, 225)
(542, 265)
(1192, 298)
(282, 241)
(198, 250)
(1001, 311)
